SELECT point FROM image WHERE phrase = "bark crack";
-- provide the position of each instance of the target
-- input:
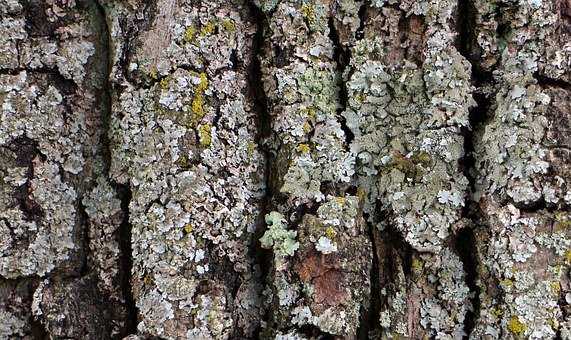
(465, 242)
(123, 190)
(342, 59)
(262, 257)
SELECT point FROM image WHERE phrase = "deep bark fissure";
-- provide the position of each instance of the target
(342, 59)
(84, 268)
(37, 328)
(370, 315)
(261, 256)
(362, 13)
(123, 191)
(465, 243)
(545, 81)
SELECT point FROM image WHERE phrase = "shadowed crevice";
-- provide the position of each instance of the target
(478, 116)
(262, 257)
(342, 57)
(123, 190)
(465, 245)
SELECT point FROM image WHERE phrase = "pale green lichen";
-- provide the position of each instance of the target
(278, 237)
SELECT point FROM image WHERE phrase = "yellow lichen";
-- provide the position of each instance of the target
(506, 283)
(164, 83)
(417, 264)
(497, 312)
(229, 25)
(311, 112)
(568, 256)
(190, 34)
(516, 326)
(306, 127)
(330, 233)
(197, 105)
(183, 162)
(303, 148)
(251, 148)
(148, 279)
(207, 29)
(562, 221)
(197, 108)
(555, 287)
(203, 84)
(205, 135)
(308, 12)
(188, 228)
(153, 73)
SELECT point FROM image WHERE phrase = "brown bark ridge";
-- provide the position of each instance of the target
(285, 169)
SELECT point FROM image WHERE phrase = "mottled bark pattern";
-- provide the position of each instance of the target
(285, 169)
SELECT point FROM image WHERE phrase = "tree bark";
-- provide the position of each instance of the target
(285, 169)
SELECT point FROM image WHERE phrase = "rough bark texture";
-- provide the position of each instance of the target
(285, 169)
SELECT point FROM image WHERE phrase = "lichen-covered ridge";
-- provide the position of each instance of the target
(285, 169)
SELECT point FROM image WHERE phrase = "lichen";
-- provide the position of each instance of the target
(278, 237)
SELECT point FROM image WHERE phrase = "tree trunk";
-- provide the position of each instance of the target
(285, 169)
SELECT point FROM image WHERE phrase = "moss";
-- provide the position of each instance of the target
(205, 135)
(515, 326)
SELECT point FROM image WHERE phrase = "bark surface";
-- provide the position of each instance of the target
(285, 169)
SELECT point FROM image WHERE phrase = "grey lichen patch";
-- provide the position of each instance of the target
(104, 214)
(47, 132)
(409, 95)
(183, 137)
(514, 253)
(312, 170)
(518, 154)
(406, 117)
